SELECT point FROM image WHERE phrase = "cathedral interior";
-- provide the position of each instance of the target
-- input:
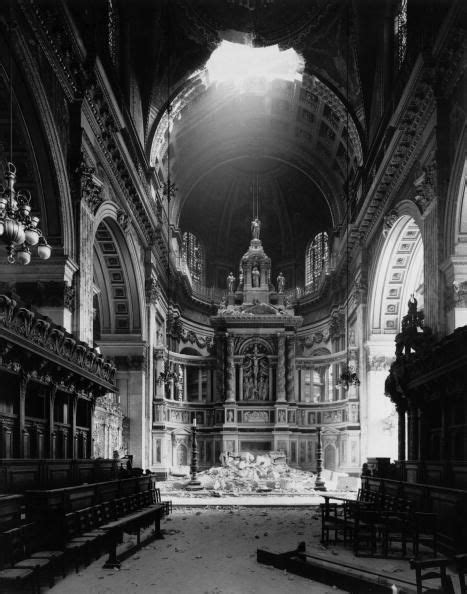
(247, 217)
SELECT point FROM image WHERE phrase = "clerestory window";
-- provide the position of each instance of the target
(193, 253)
(316, 258)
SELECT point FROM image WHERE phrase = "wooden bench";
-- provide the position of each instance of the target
(100, 527)
(20, 566)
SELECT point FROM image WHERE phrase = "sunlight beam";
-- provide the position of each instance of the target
(239, 64)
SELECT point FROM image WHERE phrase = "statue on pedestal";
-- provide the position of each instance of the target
(255, 276)
(230, 283)
(255, 228)
(280, 282)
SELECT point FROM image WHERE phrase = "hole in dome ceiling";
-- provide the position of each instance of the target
(241, 64)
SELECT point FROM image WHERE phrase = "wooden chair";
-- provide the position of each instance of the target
(366, 524)
(329, 521)
(17, 568)
(78, 548)
(396, 529)
(40, 546)
(436, 571)
(424, 532)
(461, 564)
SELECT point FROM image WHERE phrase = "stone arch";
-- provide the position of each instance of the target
(455, 229)
(395, 274)
(118, 282)
(190, 351)
(181, 455)
(330, 457)
(251, 341)
(455, 240)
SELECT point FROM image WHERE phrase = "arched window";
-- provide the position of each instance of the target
(193, 253)
(316, 258)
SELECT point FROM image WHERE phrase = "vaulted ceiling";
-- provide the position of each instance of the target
(299, 140)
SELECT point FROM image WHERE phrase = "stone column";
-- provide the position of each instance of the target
(159, 387)
(185, 382)
(444, 441)
(200, 384)
(431, 276)
(412, 432)
(230, 370)
(209, 386)
(74, 404)
(401, 432)
(291, 369)
(23, 382)
(219, 367)
(280, 380)
(240, 382)
(85, 275)
(271, 381)
(90, 446)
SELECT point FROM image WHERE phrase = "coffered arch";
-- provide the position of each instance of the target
(116, 284)
(396, 274)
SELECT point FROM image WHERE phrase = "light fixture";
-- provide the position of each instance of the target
(19, 230)
(348, 376)
(168, 375)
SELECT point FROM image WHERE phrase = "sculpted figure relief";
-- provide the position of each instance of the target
(230, 282)
(255, 228)
(280, 282)
(255, 274)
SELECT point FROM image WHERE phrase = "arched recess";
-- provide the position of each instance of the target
(330, 457)
(395, 275)
(117, 284)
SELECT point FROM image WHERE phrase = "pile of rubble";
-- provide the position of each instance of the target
(246, 472)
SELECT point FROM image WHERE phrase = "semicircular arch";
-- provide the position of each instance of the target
(395, 275)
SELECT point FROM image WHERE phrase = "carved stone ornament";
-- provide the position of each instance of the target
(91, 186)
(123, 220)
(69, 297)
(388, 221)
(425, 185)
(337, 325)
(359, 292)
(460, 293)
(153, 290)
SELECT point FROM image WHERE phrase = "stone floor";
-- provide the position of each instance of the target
(210, 545)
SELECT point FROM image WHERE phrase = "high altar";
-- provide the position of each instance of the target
(255, 335)
(250, 383)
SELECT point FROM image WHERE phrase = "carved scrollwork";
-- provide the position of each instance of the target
(41, 331)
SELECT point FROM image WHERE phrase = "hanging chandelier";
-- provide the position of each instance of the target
(18, 229)
(348, 376)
